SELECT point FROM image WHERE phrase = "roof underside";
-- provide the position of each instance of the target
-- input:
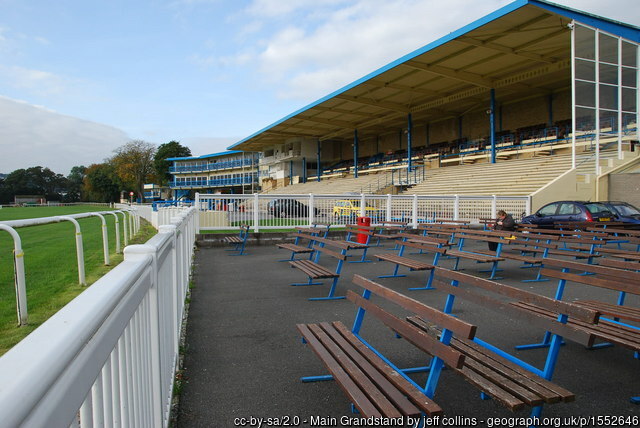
(522, 53)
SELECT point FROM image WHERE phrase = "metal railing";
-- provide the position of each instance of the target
(108, 357)
(273, 211)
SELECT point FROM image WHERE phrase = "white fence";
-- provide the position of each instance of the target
(108, 357)
(271, 211)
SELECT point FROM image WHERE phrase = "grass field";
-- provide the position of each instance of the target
(50, 264)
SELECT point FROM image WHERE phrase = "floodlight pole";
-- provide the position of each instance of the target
(318, 168)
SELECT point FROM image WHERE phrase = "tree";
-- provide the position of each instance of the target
(35, 181)
(133, 162)
(75, 184)
(172, 149)
(101, 183)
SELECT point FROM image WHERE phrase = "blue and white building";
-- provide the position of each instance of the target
(225, 172)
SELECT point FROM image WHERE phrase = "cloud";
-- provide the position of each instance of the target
(328, 44)
(31, 135)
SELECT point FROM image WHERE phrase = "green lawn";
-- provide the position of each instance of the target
(51, 265)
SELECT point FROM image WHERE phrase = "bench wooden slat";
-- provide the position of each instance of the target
(577, 335)
(404, 261)
(298, 249)
(374, 373)
(459, 327)
(623, 312)
(549, 391)
(482, 258)
(596, 281)
(412, 334)
(313, 269)
(350, 388)
(623, 336)
(557, 306)
(416, 396)
(376, 396)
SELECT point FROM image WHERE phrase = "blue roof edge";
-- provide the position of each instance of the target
(624, 30)
(212, 155)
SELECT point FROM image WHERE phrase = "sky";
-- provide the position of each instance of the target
(79, 78)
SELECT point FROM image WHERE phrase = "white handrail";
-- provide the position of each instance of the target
(115, 341)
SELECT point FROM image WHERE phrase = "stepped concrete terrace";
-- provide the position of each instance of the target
(244, 356)
(517, 177)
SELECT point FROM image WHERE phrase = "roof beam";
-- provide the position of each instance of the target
(331, 122)
(399, 87)
(505, 49)
(381, 104)
(463, 76)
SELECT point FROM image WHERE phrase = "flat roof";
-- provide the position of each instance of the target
(519, 50)
(212, 155)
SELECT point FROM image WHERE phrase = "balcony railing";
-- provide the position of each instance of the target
(213, 166)
(214, 182)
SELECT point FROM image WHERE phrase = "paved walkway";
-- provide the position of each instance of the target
(244, 356)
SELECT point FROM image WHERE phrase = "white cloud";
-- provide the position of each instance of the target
(37, 82)
(336, 42)
(315, 47)
(32, 135)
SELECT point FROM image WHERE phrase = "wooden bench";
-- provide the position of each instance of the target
(239, 241)
(317, 229)
(315, 271)
(368, 231)
(414, 265)
(478, 257)
(360, 369)
(373, 384)
(614, 327)
(499, 374)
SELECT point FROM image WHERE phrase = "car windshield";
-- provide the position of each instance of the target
(596, 208)
(626, 209)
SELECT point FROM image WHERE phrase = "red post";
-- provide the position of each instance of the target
(363, 221)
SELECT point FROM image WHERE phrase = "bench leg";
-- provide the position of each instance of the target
(331, 292)
(494, 269)
(635, 400)
(363, 259)
(428, 284)
(394, 274)
(299, 284)
(546, 342)
(538, 277)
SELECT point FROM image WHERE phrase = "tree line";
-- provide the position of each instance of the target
(132, 165)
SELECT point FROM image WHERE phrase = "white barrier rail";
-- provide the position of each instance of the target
(108, 357)
(19, 272)
(272, 211)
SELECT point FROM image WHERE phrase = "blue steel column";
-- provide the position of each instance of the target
(318, 168)
(290, 172)
(304, 170)
(409, 126)
(492, 125)
(355, 153)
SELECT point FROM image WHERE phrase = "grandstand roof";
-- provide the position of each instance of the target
(212, 155)
(521, 50)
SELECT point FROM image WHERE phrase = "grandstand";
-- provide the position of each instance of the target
(509, 104)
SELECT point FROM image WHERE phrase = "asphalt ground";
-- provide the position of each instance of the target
(244, 357)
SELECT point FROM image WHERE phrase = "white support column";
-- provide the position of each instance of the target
(20, 281)
(414, 212)
(456, 207)
(363, 210)
(389, 202)
(256, 213)
(312, 210)
(146, 252)
(79, 249)
(494, 205)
